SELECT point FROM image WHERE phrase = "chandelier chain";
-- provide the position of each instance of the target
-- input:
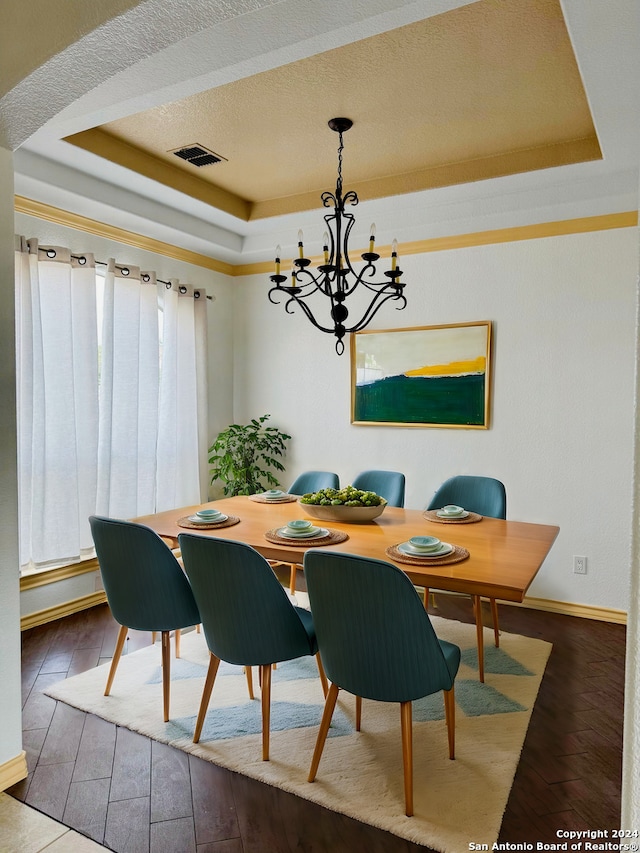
(340, 149)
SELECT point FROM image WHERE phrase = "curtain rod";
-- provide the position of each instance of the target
(144, 276)
(51, 253)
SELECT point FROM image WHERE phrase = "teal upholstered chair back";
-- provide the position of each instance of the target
(246, 615)
(145, 585)
(313, 481)
(484, 495)
(387, 484)
(374, 635)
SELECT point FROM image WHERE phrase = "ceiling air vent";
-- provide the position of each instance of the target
(198, 155)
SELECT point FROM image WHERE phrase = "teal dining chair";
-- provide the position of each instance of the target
(377, 642)
(145, 586)
(246, 615)
(485, 496)
(388, 484)
(309, 481)
(313, 481)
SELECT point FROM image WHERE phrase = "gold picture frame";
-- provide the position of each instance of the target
(426, 376)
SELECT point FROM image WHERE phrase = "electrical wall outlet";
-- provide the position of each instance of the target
(579, 565)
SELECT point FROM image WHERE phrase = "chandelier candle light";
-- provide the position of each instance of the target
(336, 278)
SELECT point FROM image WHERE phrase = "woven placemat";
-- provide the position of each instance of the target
(456, 556)
(332, 538)
(432, 515)
(288, 499)
(229, 521)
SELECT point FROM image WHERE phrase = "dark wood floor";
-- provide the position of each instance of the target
(132, 794)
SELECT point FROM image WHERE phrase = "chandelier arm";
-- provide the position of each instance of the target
(375, 306)
(320, 281)
(297, 301)
(286, 291)
(276, 290)
(373, 286)
(376, 286)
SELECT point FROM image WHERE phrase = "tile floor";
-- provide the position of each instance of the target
(25, 830)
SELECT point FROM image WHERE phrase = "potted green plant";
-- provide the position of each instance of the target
(244, 457)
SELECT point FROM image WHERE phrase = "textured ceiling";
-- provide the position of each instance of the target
(485, 90)
(52, 26)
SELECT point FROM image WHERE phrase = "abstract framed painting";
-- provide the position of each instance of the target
(428, 376)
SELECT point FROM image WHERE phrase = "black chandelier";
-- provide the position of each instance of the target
(336, 277)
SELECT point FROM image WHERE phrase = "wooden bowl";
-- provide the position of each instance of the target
(344, 514)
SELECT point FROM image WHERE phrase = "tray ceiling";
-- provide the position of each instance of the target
(482, 91)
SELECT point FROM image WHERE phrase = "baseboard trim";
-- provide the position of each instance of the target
(566, 608)
(41, 617)
(13, 771)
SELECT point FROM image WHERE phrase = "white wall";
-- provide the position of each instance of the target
(630, 811)
(220, 367)
(561, 438)
(10, 704)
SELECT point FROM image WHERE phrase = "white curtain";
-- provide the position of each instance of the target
(57, 393)
(183, 398)
(116, 426)
(129, 382)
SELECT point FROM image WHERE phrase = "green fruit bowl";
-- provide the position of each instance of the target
(343, 514)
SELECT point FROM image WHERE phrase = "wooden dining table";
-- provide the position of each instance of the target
(504, 556)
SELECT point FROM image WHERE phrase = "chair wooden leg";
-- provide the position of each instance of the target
(323, 677)
(266, 709)
(428, 595)
(153, 638)
(496, 624)
(329, 707)
(358, 713)
(477, 607)
(293, 569)
(166, 673)
(450, 717)
(122, 636)
(407, 755)
(249, 673)
(212, 671)
(177, 638)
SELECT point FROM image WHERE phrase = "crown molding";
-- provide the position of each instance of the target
(562, 227)
(111, 232)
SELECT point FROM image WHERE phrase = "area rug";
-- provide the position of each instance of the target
(456, 802)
